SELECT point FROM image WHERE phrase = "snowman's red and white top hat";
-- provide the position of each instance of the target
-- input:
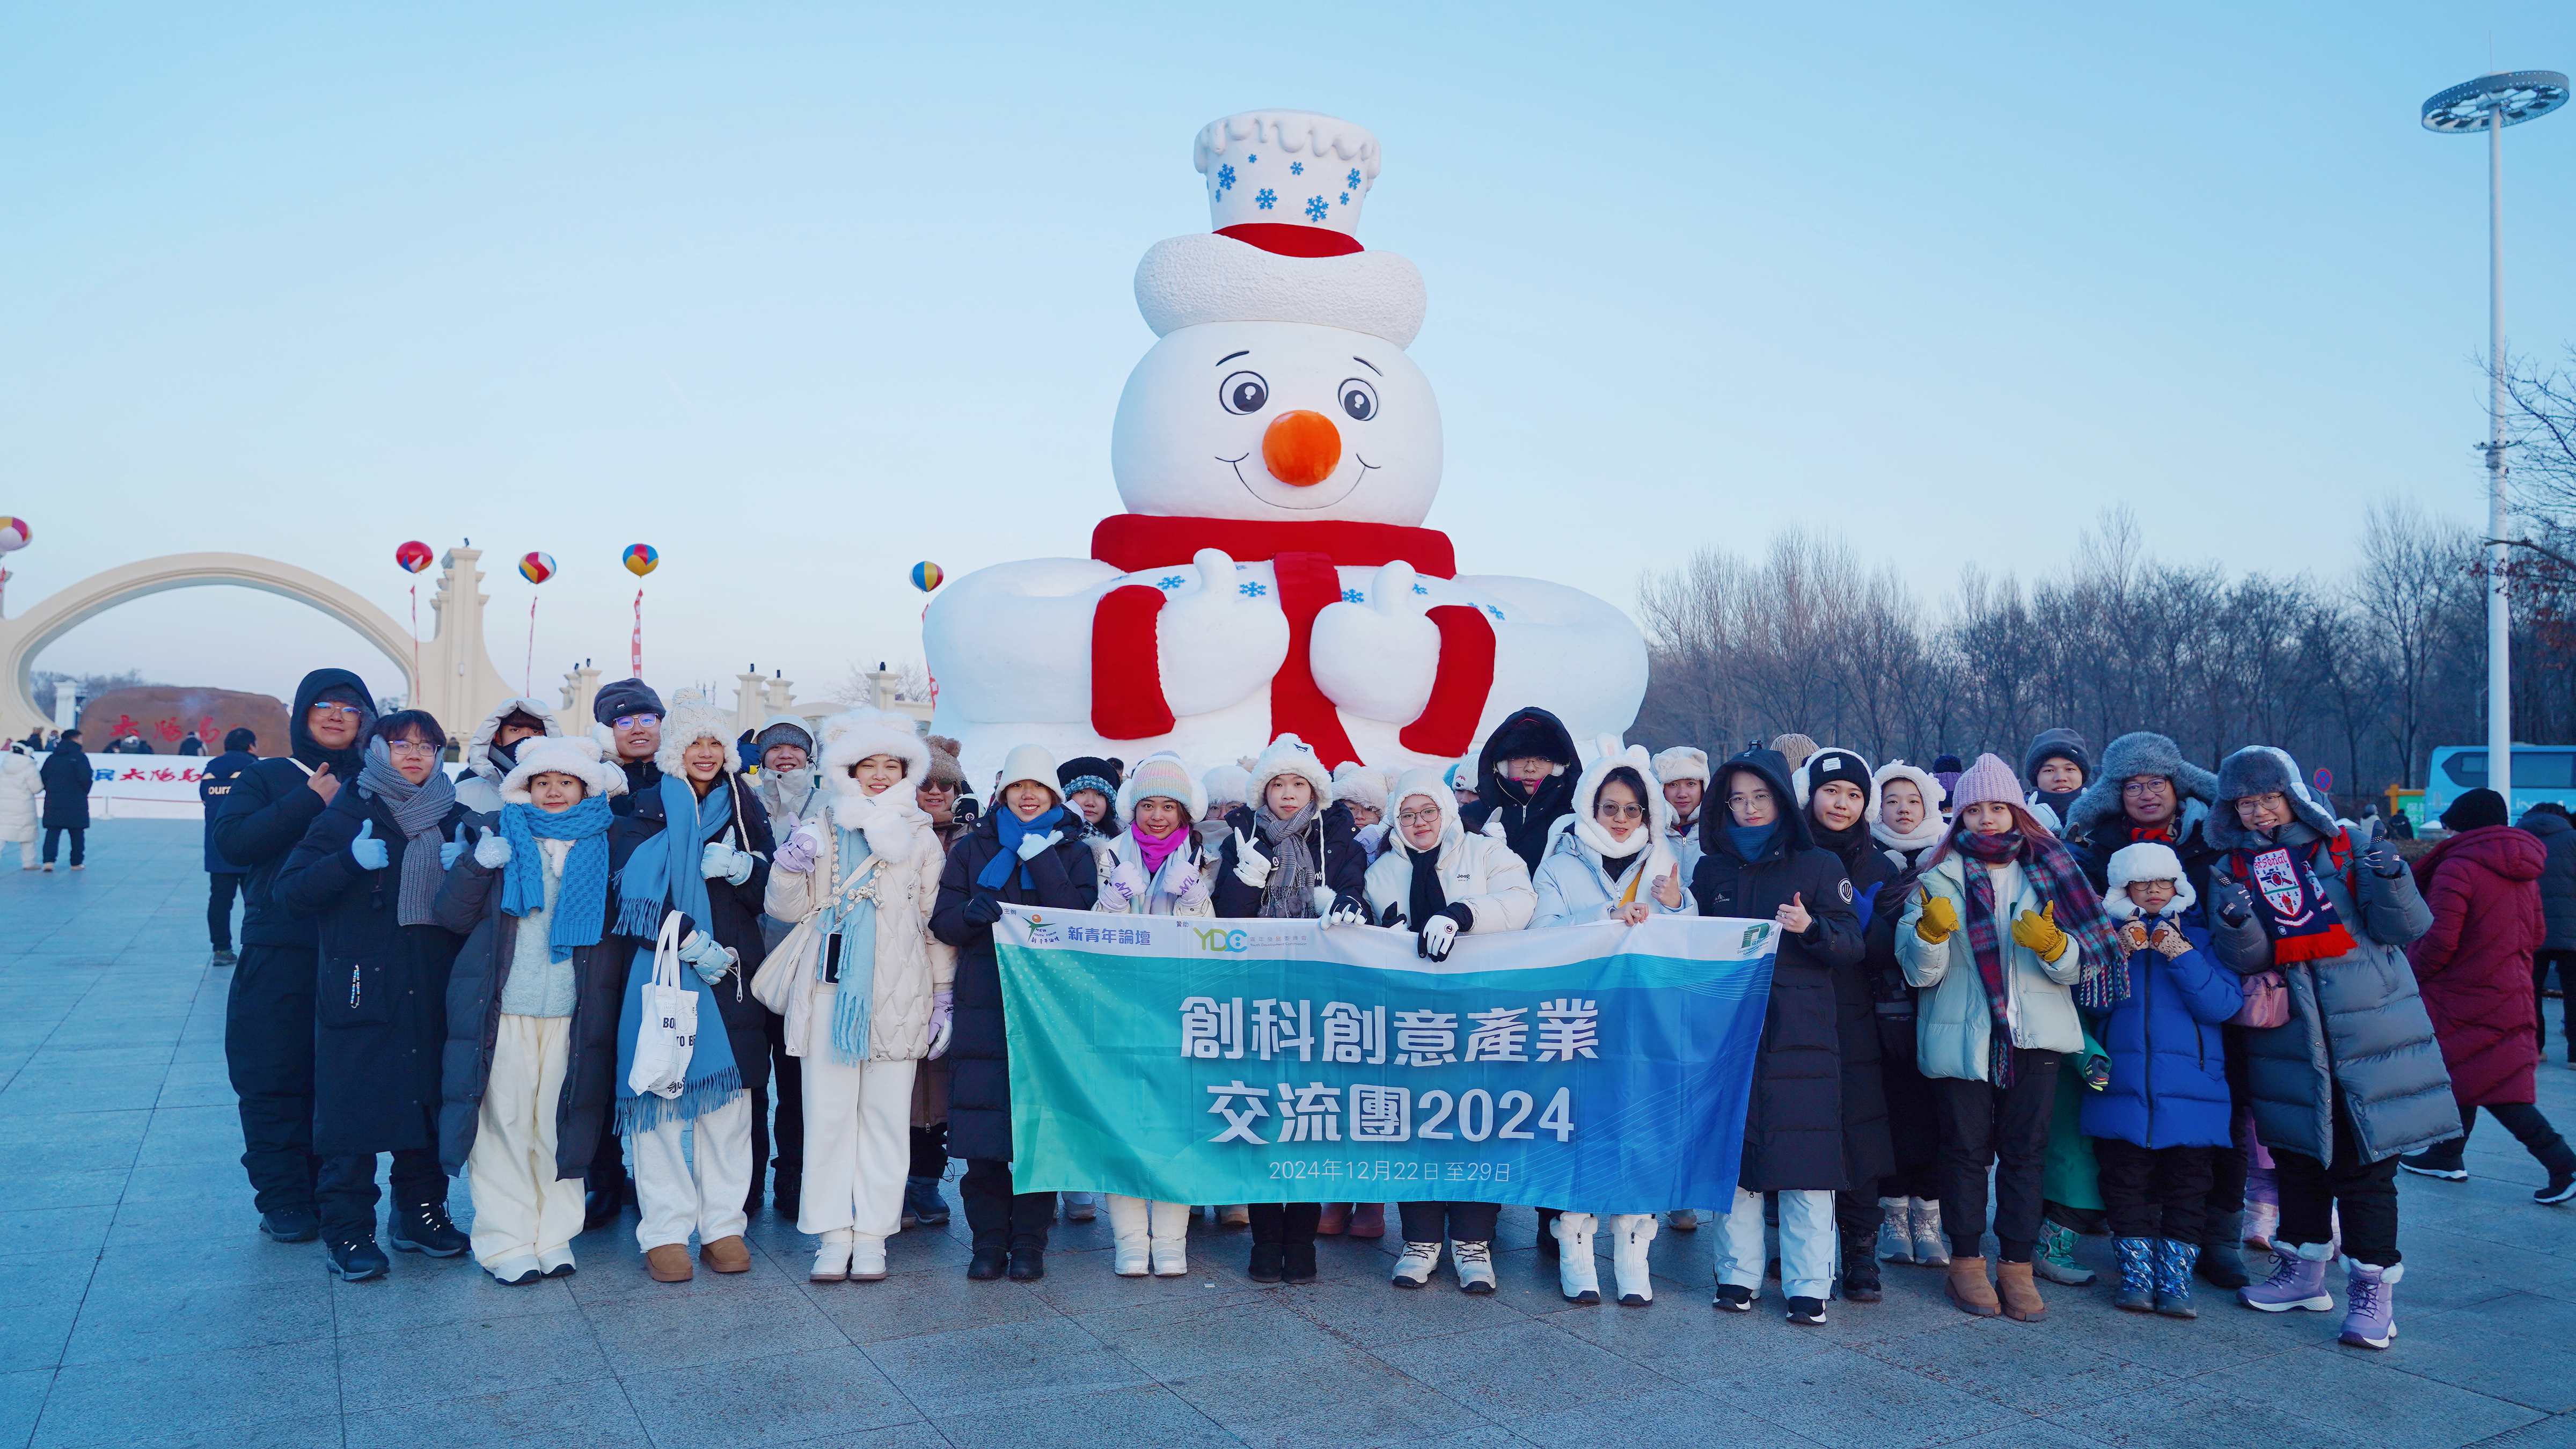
(1284, 194)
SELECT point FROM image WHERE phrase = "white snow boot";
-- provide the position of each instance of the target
(1130, 1236)
(1170, 1222)
(1413, 1268)
(1576, 1274)
(832, 1257)
(1630, 1233)
(1475, 1262)
(867, 1258)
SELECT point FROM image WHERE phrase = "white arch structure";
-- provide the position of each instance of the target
(455, 681)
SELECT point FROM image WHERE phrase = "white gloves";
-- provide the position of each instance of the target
(1250, 866)
(492, 852)
(722, 862)
(1437, 937)
(1335, 911)
(705, 957)
(1130, 881)
(1033, 846)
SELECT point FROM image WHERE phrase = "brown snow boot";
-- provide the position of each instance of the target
(668, 1263)
(1970, 1291)
(2020, 1293)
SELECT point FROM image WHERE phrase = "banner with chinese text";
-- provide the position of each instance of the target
(1598, 1067)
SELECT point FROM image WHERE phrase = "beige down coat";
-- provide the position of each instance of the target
(911, 966)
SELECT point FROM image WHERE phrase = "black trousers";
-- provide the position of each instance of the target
(929, 1151)
(2005, 1128)
(997, 1216)
(2524, 1120)
(1913, 1124)
(268, 1052)
(1432, 1222)
(2159, 1192)
(346, 1192)
(1280, 1224)
(221, 887)
(2565, 962)
(2364, 1194)
(53, 838)
(2227, 1165)
(787, 1134)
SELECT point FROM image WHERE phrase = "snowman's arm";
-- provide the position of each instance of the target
(1564, 650)
(1012, 643)
(1206, 642)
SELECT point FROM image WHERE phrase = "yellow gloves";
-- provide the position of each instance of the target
(2037, 931)
(1938, 919)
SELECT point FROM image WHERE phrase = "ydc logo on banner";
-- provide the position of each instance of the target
(1599, 1067)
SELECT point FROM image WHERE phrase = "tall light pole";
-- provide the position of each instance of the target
(2490, 103)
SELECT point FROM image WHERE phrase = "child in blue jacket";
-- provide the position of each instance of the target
(2166, 1110)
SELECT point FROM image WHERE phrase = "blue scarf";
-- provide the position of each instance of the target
(581, 906)
(856, 924)
(1013, 830)
(663, 872)
(667, 867)
(1751, 840)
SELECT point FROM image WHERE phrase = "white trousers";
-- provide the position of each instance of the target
(858, 1143)
(521, 1209)
(1806, 1243)
(674, 1197)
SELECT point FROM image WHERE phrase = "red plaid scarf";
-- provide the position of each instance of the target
(2058, 881)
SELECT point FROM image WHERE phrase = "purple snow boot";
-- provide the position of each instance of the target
(2371, 1319)
(2298, 1281)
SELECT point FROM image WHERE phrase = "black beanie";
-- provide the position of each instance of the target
(1830, 764)
(626, 696)
(2479, 807)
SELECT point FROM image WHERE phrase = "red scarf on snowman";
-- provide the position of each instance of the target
(1126, 662)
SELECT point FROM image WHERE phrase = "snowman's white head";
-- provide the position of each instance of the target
(1280, 389)
(1283, 421)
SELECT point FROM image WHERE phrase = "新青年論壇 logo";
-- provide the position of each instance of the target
(1040, 932)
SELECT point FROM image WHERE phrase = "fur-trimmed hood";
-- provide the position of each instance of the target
(1934, 797)
(1771, 767)
(1587, 791)
(853, 735)
(478, 747)
(576, 755)
(692, 717)
(2139, 752)
(2259, 770)
(1432, 784)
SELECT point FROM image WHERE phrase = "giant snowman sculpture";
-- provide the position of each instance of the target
(1277, 453)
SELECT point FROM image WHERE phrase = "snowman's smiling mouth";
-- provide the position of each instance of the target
(1236, 463)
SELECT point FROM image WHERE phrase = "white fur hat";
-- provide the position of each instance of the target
(1432, 784)
(1361, 784)
(1681, 762)
(1162, 774)
(1226, 785)
(1289, 755)
(576, 755)
(853, 735)
(1933, 795)
(2145, 860)
(693, 717)
(1025, 762)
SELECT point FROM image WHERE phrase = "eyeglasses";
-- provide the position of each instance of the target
(411, 748)
(339, 711)
(634, 721)
(1747, 802)
(1417, 817)
(2145, 785)
(1608, 811)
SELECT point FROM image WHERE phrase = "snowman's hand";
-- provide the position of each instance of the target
(1378, 659)
(1221, 641)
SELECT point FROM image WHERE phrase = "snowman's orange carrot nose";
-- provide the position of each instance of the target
(1301, 448)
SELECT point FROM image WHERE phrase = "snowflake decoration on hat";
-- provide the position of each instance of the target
(1296, 168)
(1353, 180)
(1248, 160)
(1225, 178)
(1265, 198)
(1346, 198)
(1315, 208)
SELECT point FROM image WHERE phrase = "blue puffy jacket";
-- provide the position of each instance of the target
(2168, 1063)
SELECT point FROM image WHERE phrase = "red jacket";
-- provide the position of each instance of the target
(2475, 964)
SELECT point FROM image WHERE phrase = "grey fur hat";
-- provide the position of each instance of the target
(2257, 770)
(2139, 752)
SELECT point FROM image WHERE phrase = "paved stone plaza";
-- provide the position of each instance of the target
(139, 1307)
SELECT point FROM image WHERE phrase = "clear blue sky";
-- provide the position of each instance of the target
(803, 294)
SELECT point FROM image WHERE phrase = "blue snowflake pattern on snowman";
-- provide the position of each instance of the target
(1225, 178)
(1353, 180)
(1248, 160)
(1315, 208)
(1169, 581)
(1346, 198)
(1419, 589)
(1265, 198)
(1296, 168)
(1497, 613)
(1353, 596)
(1252, 590)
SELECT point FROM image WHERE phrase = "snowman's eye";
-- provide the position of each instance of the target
(1243, 392)
(1359, 399)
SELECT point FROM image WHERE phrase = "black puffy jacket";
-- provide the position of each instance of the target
(1340, 863)
(979, 1043)
(271, 806)
(2557, 878)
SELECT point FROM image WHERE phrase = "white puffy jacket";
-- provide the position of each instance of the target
(20, 790)
(1476, 871)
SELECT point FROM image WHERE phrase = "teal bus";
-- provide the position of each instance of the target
(2540, 772)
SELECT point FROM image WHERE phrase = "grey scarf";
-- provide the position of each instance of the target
(1290, 893)
(418, 810)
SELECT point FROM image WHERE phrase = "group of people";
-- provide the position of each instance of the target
(52, 797)
(2129, 997)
